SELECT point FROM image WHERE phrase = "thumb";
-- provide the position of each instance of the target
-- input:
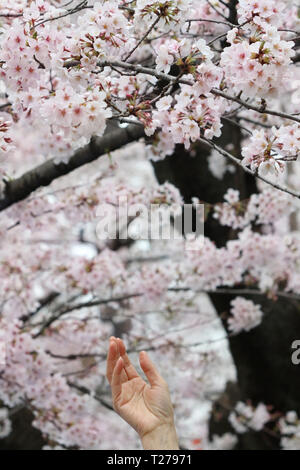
(150, 370)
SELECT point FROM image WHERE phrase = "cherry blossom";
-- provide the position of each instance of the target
(245, 315)
(266, 151)
(246, 417)
(257, 61)
(289, 429)
(5, 424)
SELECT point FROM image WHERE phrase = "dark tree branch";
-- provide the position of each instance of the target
(71, 308)
(20, 188)
(75, 357)
(233, 11)
(296, 58)
(52, 296)
(86, 391)
(10, 15)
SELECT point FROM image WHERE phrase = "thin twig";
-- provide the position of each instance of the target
(163, 76)
(247, 170)
(143, 38)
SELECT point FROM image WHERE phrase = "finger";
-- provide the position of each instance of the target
(128, 366)
(112, 357)
(150, 370)
(118, 378)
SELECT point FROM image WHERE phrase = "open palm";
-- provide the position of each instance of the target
(145, 407)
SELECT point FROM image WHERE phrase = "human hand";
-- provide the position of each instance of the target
(146, 407)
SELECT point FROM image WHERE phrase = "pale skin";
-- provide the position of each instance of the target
(147, 407)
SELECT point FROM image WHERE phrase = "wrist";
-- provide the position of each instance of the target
(160, 438)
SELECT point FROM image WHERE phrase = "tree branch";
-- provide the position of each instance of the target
(71, 308)
(86, 391)
(44, 174)
(173, 79)
(238, 162)
(296, 58)
(233, 11)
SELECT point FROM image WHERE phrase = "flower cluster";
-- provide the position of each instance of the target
(58, 409)
(103, 34)
(268, 10)
(257, 62)
(196, 110)
(184, 54)
(27, 55)
(289, 426)
(267, 207)
(267, 150)
(5, 424)
(74, 117)
(169, 15)
(246, 417)
(245, 315)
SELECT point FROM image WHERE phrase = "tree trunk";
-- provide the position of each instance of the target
(23, 436)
